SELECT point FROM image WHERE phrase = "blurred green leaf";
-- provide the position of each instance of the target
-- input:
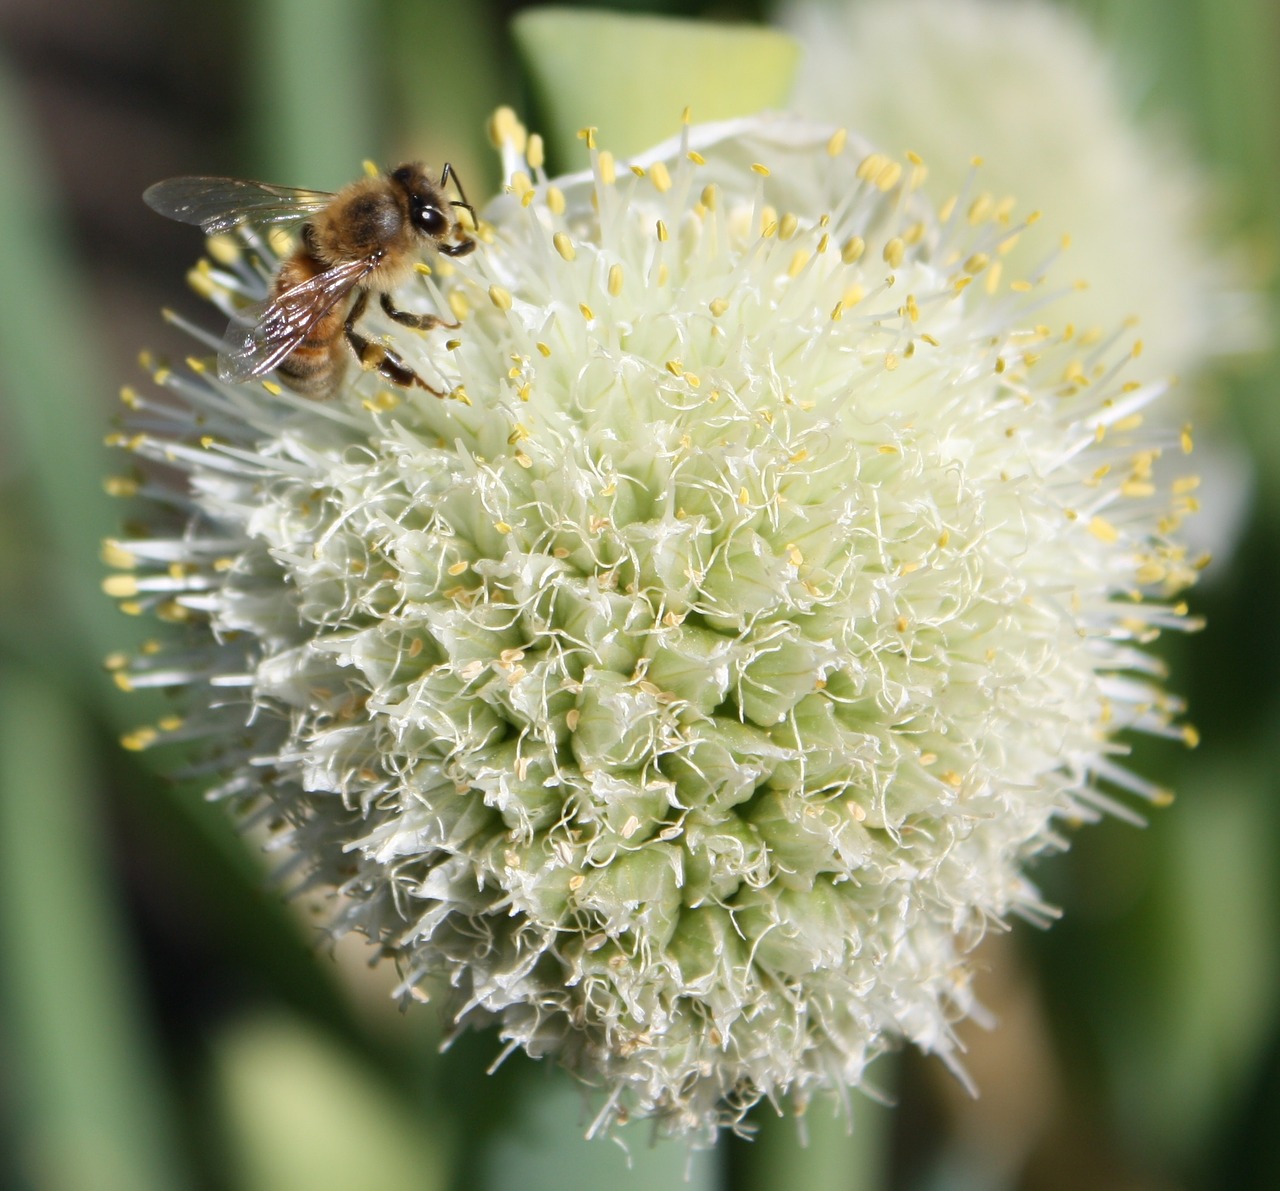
(1207, 989)
(442, 111)
(544, 1147)
(93, 1110)
(631, 77)
(824, 1151)
(312, 100)
(55, 411)
(300, 1114)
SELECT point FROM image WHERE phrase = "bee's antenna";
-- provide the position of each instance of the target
(447, 173)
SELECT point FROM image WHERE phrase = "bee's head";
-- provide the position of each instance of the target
(429, 210)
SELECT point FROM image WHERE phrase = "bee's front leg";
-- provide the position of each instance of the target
(378, 358)
(423, 322)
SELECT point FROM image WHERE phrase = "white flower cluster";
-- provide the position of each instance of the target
(690, 687)
(1029, 87)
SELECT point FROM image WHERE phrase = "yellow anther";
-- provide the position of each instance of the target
(500, 297)
(139, 739)
(1188, 444)
(201, 283)
(504, 127)
(660, 177)
(521, 184)
(662, 231)
(762, 170)
(502, 526)
(890, 362)
(120, 587)
(911, 308)
(1103, 530)
(543, 349)
(948, 209)
(977, 262)
(853, 249)
(587, 312)
(852, 295)
(555, 200)
(894, 252)
(870, 166)
(120, 486)
(615, 280)
(696, 157)
(606, 168)
(718, 306)
(888, 175)
(787, 226)
(837, 142)
(224, 249)
(115, 555)
(536, 153)
(979, 209)
(588, 134)
(798, 261)
(564, 246)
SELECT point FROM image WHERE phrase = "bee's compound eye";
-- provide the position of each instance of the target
(431, 220)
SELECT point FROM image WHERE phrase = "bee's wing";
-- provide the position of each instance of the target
(266, 335)
(219, 204)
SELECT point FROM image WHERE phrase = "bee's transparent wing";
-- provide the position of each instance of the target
(263, 336)
(219, 204)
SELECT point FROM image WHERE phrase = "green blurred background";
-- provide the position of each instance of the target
(165, 1021)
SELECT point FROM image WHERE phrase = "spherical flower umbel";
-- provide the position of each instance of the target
(689, 688)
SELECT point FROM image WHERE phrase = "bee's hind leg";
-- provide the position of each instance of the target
(423, 322)
(376, 357)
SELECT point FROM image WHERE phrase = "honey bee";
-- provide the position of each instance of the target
(360, 241)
